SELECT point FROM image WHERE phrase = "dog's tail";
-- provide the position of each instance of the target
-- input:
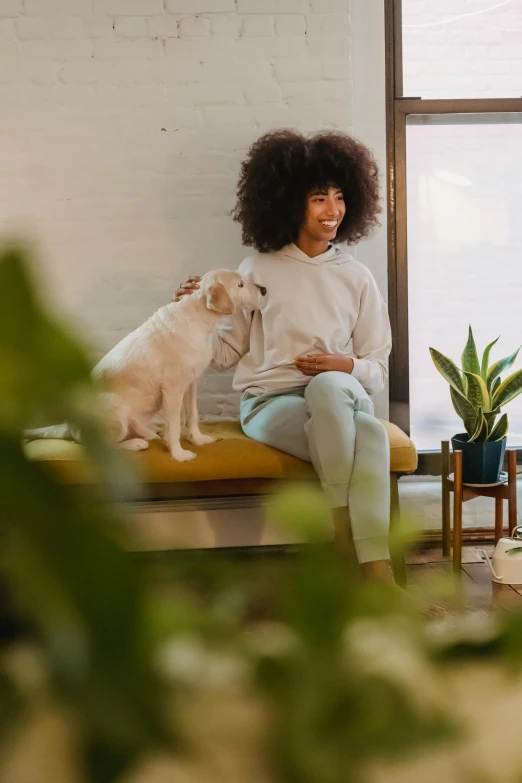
(62, 431)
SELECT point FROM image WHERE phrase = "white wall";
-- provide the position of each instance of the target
(123, 124)
(369, 125)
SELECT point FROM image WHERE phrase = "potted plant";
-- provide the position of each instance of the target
(478, 394)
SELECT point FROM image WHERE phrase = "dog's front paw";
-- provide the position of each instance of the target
(182, 455)
(198, 439)
(134, 444)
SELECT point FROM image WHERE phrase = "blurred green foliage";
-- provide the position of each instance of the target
(79, 590)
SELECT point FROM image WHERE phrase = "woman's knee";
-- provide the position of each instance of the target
(332, 386)
(258, 428)
(377, 428)
(373, 439)
(279, 432)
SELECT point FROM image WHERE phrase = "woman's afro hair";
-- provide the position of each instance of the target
(283, 167)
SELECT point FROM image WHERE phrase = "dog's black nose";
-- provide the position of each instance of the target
(262, 289)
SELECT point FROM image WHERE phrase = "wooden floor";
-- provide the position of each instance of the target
(429, 577)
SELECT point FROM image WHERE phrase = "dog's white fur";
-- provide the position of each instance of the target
(155, 369)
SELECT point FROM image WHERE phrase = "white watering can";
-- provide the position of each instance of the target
(506, 563)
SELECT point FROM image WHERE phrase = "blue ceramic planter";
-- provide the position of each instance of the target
(481, 462)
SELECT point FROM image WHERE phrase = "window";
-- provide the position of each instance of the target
(462, 49)
(455, 187)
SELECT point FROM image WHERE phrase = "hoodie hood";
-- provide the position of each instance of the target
(335, 255)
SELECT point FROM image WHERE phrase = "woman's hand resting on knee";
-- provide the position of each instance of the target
(316, 363)
(187, 288)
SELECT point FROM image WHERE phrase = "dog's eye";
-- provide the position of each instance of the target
(240, 285)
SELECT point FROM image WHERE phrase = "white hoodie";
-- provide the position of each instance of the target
(312, 305)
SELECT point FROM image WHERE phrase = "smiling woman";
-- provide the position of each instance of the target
(283, 172)
(325, 210)
(300, 201)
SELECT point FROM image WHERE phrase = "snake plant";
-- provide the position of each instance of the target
(477, 391)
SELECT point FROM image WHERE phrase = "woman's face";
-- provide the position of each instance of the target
(325, 210)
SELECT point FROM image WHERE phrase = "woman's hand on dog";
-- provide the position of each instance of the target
(187, 288)
(316, 363)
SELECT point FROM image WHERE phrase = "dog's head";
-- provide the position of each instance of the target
(225, 290)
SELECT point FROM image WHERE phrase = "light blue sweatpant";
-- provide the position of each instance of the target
(330, 422)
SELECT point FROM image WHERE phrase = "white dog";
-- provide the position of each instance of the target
(155, 369)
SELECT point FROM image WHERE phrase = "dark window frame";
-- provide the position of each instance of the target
(398, 108)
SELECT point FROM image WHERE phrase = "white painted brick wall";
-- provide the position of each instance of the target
(290, 24)
(131, 27)
(258, 25)
(11, 7)
(123, 125)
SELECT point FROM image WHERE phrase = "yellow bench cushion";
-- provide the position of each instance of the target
(233, 456)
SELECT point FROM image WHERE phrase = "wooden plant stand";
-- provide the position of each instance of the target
(462, 493)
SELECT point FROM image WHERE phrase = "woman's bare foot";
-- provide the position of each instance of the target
(377, 571)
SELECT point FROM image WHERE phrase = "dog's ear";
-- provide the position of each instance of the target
(219, 300)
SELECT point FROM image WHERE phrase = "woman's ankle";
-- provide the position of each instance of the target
(378, 571)
(343, 533)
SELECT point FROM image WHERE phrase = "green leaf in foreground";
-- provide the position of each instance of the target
(45, 373)
(82, 591)
(40, 362)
